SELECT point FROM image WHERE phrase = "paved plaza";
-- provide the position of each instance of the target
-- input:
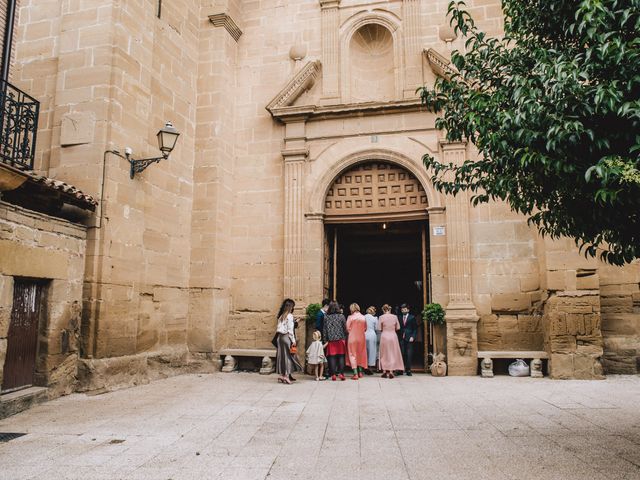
(247, 427)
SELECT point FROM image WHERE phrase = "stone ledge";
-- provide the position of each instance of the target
(115, 373)
(512, 354)
(16, 402)
(248, 352)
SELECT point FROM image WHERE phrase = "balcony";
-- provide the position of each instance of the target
(18, 127)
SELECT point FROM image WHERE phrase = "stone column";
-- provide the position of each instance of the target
(412, 50)
(330, 50)
(462, 318)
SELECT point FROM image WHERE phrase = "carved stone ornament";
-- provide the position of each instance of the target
(301, 82)
(230, 364)
(486, 368)
(267, 366)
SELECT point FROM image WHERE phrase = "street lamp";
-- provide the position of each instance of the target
(167, 138)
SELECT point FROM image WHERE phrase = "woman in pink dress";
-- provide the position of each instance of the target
(357, 345)
(390, 354)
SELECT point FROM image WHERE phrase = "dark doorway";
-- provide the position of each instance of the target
(22, 339)
(378, 263)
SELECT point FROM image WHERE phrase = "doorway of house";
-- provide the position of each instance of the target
(380, 262)
(22, 338)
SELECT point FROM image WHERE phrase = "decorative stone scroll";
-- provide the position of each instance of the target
(300, 83)
(440, 65)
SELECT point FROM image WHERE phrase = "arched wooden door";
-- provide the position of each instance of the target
(375, 191)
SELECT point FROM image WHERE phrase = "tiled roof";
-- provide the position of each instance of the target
(63, 187)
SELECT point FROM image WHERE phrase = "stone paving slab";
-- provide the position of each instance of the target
(246, 426)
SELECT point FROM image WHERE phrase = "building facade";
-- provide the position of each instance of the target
(298, 173)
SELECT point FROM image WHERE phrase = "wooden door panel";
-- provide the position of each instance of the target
(22, 339)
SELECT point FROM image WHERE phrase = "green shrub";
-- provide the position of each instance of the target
(312, 311)
(434, 314)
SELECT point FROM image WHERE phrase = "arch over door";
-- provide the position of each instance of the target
(375, 191)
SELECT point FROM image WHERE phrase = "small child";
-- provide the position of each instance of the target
(315, 355)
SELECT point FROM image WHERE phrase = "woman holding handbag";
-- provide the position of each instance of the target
(286, 361)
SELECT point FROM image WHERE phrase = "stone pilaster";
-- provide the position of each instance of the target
(462, 318)
(330, 50)
(294, 154)
(412, 49)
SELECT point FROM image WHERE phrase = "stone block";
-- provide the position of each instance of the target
(77, 128)
(562, 344)
(510, 302)
(587, 282)
(586, 367)
(529, 323)
(561, 366)
(508, 323)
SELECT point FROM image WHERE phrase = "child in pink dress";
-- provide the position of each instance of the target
(390, 354)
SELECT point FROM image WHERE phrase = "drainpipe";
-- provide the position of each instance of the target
(8, 39)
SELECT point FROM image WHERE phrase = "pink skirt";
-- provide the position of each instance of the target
(390, 354)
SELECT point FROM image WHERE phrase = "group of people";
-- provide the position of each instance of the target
(365, 343)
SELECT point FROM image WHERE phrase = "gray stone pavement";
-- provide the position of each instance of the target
(246, 426)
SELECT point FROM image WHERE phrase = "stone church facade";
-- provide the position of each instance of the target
(300, 130)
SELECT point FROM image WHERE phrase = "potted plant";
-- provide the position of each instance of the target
(434, 315)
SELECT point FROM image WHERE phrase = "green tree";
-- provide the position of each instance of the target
(553, 108)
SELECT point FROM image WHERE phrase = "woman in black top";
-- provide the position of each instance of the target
(334, 332)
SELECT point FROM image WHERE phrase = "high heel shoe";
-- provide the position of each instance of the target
(333, 378)
(287, 381)
(342, 377)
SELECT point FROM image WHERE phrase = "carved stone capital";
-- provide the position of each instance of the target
(324, 4)
(314, 216)
(295, 154)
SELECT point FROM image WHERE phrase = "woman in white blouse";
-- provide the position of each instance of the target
(286, 362)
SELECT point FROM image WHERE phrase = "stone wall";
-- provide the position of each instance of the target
(620, 310)
(109, 75)
(573, 337)
(37, 246)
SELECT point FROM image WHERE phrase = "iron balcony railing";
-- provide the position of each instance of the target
(18, 126)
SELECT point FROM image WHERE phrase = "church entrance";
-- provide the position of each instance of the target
(376, 242)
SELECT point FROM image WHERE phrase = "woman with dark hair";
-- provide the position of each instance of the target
(334, 332)
(286, 362)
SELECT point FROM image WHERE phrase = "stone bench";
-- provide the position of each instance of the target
(231, 364)
(486, 365)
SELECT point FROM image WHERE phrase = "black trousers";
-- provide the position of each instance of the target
(336, 364)
(406, 347)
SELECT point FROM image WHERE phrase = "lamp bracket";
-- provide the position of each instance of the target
(138, 166)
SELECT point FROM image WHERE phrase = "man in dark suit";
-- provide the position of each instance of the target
(407, 336)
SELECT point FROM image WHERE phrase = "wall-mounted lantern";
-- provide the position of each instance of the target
(167, 138)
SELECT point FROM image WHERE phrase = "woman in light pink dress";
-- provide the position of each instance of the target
(390, 354)
(357, 345)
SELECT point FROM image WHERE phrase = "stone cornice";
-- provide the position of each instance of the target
(302, 81)
(315, 112)
(329, 4)
(439, 64)
(223, 19)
